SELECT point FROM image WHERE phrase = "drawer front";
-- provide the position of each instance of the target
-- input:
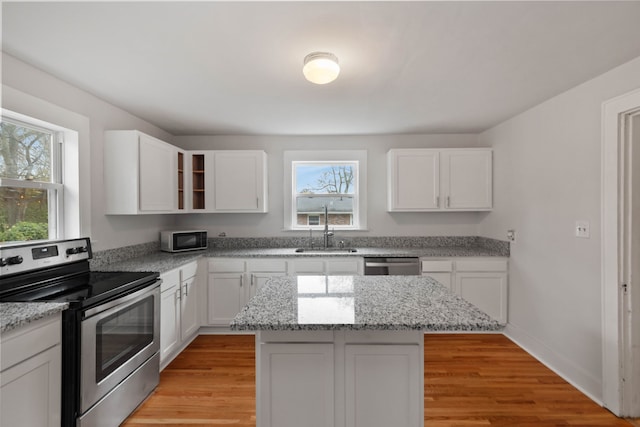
(27, 341)
(267, 265)
(189, 271)
(437, 265)
(309, 266)
(169, 280)
(226, 266)
(482, 265)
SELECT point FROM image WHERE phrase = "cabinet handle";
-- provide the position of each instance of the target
(448, 201)
(186, 290)
(251, 279)
(437, 201)
(257, 202)
(241, 280)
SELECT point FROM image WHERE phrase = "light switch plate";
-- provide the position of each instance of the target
(582, 229)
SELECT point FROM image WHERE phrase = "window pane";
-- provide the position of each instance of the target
(340, 210)
(25, 153)
(24, 214)
(325, 178)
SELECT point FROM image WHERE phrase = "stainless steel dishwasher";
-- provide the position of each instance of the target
(391, 266)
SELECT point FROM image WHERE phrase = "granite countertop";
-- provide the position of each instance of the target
(358, 303)
(165, 261)
(16, 314)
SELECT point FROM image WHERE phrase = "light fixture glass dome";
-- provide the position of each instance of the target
(321, 67)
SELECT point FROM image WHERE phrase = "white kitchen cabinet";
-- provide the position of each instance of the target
(260, 270)
(484, 283)
(466, 179)
(169, 314)
(296, 385)
(413, 180)
(340, 378)
(179, 317)
(396, 404)
(440, 269)
(140, 174)
(232, 282)
(335, 266)
(423, 180)
(30, 374)
(240, 181)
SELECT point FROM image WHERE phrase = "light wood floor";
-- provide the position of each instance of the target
(470, 380)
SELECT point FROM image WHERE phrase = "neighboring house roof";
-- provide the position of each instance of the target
(315, 205)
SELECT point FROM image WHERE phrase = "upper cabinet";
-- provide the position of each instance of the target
(144, 175)
(139, 174)
(240, 181)
(424, 180)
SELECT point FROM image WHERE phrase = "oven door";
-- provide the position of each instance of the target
(117, 337)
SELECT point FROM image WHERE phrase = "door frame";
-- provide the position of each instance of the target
(617, 394)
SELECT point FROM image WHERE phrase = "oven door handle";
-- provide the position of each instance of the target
(123, 300)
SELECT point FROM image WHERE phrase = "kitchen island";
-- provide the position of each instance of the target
(347, 351)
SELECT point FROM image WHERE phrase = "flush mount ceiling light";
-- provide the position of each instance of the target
(321, 67)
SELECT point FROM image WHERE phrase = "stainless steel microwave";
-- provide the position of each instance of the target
(181, 241)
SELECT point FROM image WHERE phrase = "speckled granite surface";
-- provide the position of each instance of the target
(16, 314)
(147, 256)
(163, 261)
(358, 303)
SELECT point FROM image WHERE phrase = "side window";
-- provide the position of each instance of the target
(31, 187)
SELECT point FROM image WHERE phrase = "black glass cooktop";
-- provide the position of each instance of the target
(84, 288)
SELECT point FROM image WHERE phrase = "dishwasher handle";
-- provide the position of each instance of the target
(390, 264)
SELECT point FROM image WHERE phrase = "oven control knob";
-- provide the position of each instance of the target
(14, 260)
(82, 249)
(3, 262)
(72, 251)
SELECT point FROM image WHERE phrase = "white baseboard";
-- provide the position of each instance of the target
(586, 383)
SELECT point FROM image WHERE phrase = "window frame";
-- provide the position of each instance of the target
(357, 157)
(55, 186)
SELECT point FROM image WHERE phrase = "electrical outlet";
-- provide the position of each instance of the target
(582, 229)
(511, 235)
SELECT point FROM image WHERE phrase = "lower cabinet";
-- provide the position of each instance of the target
(382, 376)
(340, 378)
(232, 282)
(481, 281)
(179, 320)
(297, 386)
(30, 375)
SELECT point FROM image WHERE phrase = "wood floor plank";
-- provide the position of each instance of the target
(471, 380)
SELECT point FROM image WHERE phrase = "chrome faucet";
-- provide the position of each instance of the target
(327, 233)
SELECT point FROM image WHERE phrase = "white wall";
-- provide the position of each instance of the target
(106, 231)
(547, 175)
(380, 222)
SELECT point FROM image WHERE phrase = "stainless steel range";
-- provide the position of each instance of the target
(110, 336)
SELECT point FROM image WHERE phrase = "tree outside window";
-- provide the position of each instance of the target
(320, 184)
(29, 186)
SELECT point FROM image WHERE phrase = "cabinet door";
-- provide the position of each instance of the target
(239, 181)
(189, 308)
(296, 385)
(31, 391)
(485, 290)
(397, 403)
(258, 279)
(443, 278)
(158, 182)
(169, 322)
(413, 180)
(226, 296)
(344, 266)
(467, 179)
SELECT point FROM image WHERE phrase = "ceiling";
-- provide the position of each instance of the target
(235, 67)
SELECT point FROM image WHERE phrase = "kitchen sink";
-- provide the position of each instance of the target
(325, 250)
